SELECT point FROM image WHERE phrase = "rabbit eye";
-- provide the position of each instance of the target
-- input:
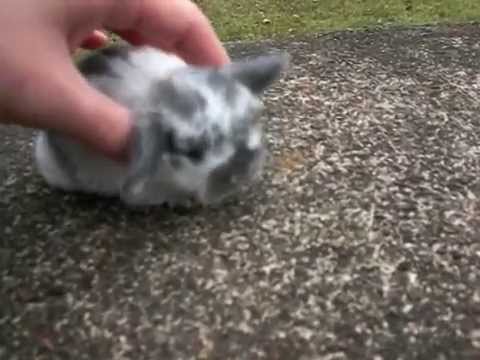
(193, 149)
(170, 142)
(195, 154)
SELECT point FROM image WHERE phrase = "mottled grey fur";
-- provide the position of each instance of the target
(197, 133)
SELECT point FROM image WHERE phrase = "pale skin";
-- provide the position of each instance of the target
(39, 84)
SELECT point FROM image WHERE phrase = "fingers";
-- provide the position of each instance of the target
(87, 115)
(177, 26)
(52, 94)
(90, 117)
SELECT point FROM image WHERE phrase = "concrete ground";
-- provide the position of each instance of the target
(361, 242)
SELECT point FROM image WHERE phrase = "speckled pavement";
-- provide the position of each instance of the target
(362, 241)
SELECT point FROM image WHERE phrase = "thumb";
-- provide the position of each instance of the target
(56, 96)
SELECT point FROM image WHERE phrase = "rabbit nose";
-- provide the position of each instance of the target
(229, 176)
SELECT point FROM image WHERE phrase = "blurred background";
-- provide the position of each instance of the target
(254, 19)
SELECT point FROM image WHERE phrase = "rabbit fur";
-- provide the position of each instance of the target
(197, 133)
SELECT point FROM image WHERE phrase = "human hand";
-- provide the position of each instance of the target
(39, 84)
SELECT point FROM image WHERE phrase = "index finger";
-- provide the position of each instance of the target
(177, 26)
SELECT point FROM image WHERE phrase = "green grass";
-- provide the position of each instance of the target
(254, 19)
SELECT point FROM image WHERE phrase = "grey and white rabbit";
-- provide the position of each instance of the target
(197, 130)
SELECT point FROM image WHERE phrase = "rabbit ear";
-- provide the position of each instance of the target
(259, 73)
(147, 147)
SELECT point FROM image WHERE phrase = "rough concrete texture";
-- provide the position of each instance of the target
(362, 241)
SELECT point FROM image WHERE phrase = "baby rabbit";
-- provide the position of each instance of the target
(197, 131)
